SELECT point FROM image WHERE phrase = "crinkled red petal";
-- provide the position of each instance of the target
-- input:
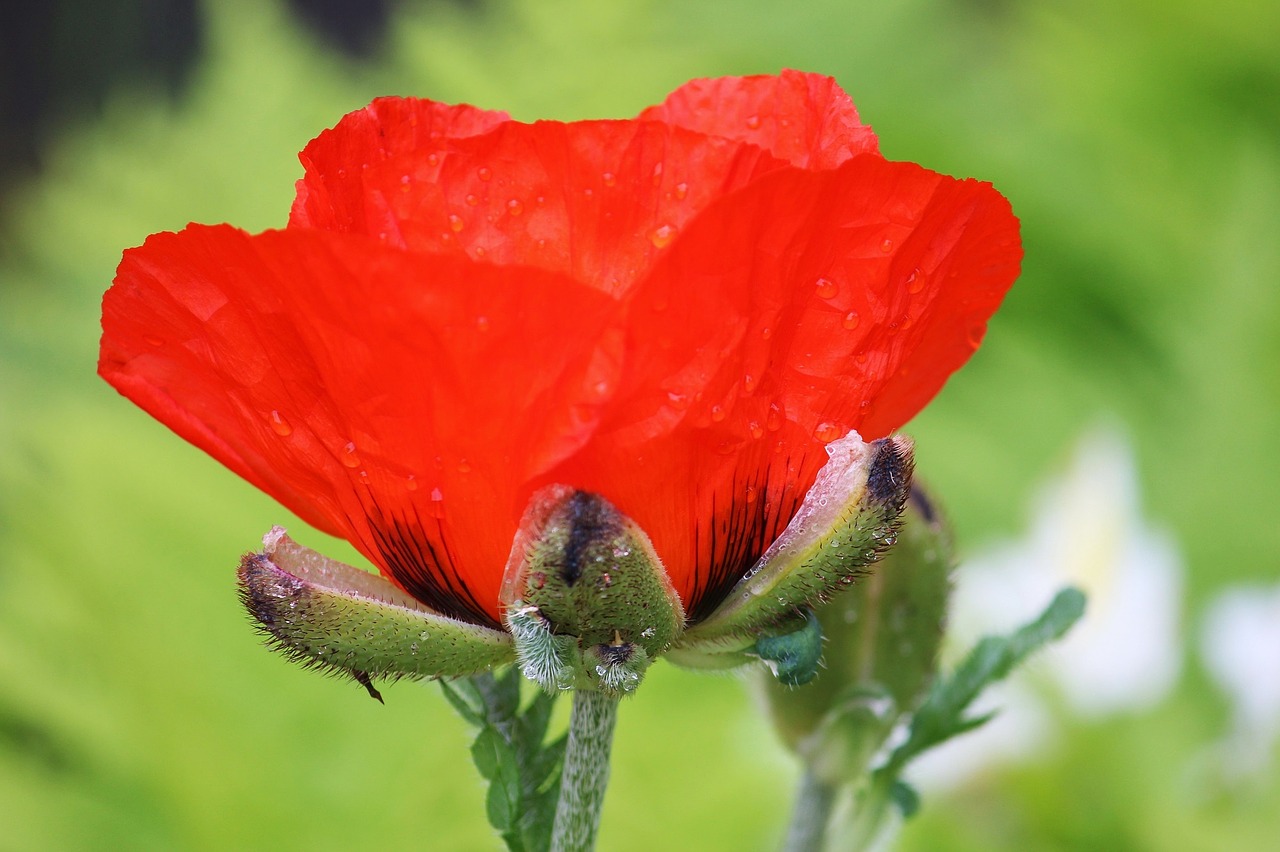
(805, 119)
(788, 314)
(397, 400)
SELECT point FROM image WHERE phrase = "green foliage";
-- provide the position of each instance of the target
(943, 714)
(513, 755)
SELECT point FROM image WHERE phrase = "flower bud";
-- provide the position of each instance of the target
(883, 637)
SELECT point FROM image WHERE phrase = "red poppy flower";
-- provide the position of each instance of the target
(676, 312)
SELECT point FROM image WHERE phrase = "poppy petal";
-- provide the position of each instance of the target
(850, 297)
(805, 119)
(330, 194)
(397, 400)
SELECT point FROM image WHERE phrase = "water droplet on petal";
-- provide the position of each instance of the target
(757, 431)
(484, 173)
(826, 432)
(455, 222)
(751, 494)
(748, 383)
(682, 190)
(886, 246)
(662, 236)
(464, 466)
(679, 401)
(657, 173)
(850, 320)
(773, 421)
(471, 200)
(914, 282)
(766, 333)
(609, 178)
(826, 288)
(279, 424)
(717, 413)
(349, 457)
(753, 122)
(437, 503)
(411, 483)
(482, 324)
(433, 159)
(514, 207)
(480, 252)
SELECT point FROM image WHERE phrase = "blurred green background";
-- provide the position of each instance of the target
(1140, 145)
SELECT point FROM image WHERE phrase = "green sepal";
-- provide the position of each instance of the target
(585, 596)
(883, 637)
(794, 656)
(327, 615)
(846, 521)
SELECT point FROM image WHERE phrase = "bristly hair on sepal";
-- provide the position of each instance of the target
(331, 617)
(849, 518)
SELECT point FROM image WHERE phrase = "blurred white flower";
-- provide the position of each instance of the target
(1087, 530)
(1240, 643)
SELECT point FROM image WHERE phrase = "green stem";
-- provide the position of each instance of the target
(812, 811)
(586, 771)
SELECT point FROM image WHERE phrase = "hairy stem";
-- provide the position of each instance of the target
(810, 816)
(586, 771)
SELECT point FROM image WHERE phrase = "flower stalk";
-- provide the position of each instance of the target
(586, 771)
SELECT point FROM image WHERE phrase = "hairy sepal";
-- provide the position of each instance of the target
(585, 595)
(846, 521)
(327, 615)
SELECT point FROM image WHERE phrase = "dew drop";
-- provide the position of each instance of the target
(914, 282)
(717, 413)
(433, 159)
(679, 401)
(471, 200)
(657, 173)
(464, 466)
(662, 236)
(748, 383)
(753, 122)
(411, 483)
(405, 180)
(609, 178)
(437, 503)
(773, 421)
(279, 424)
(349, 457)
(886, 246)
(455, 222)
(602, 388)
(757, 431)
(682, 191)
(482, 324)
(514, 207)
(751, 494)
(826, 288)
(826, 432)
(542, 243)
(484, 173)
(850, 320)
(766, 333)
(480, 252)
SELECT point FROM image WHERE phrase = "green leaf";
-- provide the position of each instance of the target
(511, 753)
(942, 715)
